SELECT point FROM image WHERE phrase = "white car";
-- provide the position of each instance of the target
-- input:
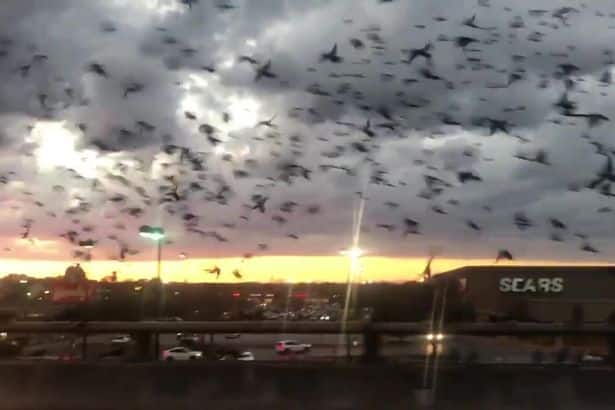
(268, 315)
(588, 357)
(181, 353)
(120, 340)
(286, 346)
(243, 356)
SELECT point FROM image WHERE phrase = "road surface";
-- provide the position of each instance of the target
(485, 350)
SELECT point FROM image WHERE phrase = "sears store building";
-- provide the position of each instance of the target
(542, 293)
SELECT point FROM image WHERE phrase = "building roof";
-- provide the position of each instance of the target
(532, 269)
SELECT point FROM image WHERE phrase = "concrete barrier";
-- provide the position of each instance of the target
(236, 385)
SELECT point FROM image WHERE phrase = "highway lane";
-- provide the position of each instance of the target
(485, 350)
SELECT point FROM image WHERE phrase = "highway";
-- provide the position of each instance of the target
(324, 347)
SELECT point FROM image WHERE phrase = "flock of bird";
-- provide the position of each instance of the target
(338, 77)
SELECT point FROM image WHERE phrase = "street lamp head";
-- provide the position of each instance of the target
(157, 236)
(87, 244)
(151, 232)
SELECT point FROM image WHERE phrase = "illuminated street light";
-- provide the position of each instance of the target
(156, 234)
(152, 232)
(354, 254)
(87, 244)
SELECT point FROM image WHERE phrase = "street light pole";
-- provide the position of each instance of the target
(157, 234)
(87, 245)
(160, 287)
(159, 259)
(354, 253)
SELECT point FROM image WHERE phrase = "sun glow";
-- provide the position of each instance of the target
(243, 112)
(353, 253)
(56, 147)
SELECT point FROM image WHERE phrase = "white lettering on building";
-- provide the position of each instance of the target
(531, 285)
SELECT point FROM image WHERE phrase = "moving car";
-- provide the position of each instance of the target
(246, 356)
(590, 357)
(286, 346)
(270, 315)
(187, 337)
(170, 319)
(120, 340)
(242, 356)
(181, 353)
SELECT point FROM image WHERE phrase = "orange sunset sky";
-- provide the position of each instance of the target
(259, 269)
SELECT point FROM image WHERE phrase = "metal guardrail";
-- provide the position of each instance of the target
(299, 327)
(182, 326)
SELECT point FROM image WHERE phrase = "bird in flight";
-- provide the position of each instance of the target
(411, 227)
(503, 254)
(331, 55)
(267, 123)
(471, 22)
(464, 41)
(586, 247)
(465, 176)
(605, 175)
(259, 202)
(133, 88)
(593, 119)
(189, 3)
(214, 271)
(27, 225)
(98, 69)
(264, 71)
(248, 59)
(424, 52)
(473, 225)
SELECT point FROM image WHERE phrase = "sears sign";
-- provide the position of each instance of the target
(531, 285)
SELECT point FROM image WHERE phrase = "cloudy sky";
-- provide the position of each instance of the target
(119, 113)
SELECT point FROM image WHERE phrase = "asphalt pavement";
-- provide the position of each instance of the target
(485, 350)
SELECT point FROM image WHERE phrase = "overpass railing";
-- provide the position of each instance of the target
(301, 327)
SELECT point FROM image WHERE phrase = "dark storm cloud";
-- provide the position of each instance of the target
(173, 75)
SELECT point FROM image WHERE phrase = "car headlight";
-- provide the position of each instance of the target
(434, 336)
